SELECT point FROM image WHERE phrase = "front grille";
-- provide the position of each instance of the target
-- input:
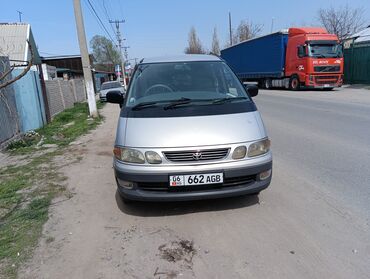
(327, 69)
(228, 182)
(326, 79)
(196, 155)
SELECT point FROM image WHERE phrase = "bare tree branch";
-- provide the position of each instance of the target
(246, 30)
(195, 45)
(6, 73)
(23, 73)
(342, 21)
(215, 43)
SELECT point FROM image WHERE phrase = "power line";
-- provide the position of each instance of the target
(100, 21)
(120, 6)
(107, 15)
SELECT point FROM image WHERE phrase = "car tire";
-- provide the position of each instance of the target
(294, 83)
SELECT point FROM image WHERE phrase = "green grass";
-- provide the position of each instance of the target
(66, 127)
(20, 233)
(27, 190)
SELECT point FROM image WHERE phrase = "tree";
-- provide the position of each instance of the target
(342, 21)
(215, 43)
(246, 30)
(195, 45)
(105, 54)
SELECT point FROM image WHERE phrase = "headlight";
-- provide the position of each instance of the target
(129, 155)
(259, 148)
(153, 157)
(239, 152)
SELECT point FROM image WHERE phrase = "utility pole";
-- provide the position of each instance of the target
(119, 39)
(85, 59)
(20, 15)
(230, 30)
(125, 52)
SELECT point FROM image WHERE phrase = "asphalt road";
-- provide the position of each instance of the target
(312, 222)
(323, 137)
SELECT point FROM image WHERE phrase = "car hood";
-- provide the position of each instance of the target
(190, 131)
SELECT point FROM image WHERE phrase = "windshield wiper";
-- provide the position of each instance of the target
(178, 102)
(228, 100)
(143, 105)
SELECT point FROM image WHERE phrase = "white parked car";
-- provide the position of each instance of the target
(109, 86)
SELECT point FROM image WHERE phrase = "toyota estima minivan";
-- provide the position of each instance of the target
(188, 129)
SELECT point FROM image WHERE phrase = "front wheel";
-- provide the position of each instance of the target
(294, 83)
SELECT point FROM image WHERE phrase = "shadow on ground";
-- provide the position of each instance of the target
(155, 209)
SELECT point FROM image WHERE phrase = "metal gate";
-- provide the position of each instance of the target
(357, 63)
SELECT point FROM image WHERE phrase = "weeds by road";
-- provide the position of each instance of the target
(28, 187)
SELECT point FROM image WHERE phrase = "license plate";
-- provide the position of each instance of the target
(326, 85)
(196, 179)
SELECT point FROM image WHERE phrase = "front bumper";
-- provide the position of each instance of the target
(238, 181)
(103, 98)
(324, 81)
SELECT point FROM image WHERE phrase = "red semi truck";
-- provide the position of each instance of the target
(294, 58)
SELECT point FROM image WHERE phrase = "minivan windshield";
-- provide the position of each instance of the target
(184, 82)
(325, 50)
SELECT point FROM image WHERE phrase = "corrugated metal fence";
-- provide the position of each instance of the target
(63, 94)
(9, 122)
(357, 64)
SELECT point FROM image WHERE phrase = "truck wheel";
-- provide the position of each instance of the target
(294, 83)
(267, 83)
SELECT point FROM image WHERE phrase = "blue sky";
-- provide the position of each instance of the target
(159, 27)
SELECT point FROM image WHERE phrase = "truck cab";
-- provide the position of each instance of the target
(314, 59)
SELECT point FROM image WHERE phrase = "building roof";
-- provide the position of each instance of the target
(362, 36)
(181, 58)
(13, 43)
(61, 57)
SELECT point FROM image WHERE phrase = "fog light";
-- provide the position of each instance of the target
(125, 184)
(265, 174)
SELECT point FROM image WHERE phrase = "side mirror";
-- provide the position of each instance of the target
(115, 97)
(251, 89)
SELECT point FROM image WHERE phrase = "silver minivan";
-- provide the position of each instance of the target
(188, 129)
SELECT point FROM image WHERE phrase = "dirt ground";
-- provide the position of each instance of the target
(286, 232)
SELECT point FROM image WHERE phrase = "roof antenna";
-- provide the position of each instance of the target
(20, 15)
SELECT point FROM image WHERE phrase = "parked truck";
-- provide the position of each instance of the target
(293, 58)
